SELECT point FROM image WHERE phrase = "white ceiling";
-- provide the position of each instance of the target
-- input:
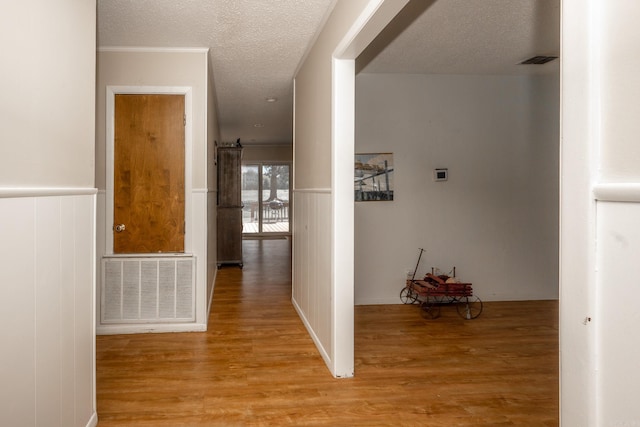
(468, 37)
(256, 45)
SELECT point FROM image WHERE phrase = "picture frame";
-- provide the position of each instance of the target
(373, 177)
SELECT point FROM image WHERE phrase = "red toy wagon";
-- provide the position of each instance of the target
(434, 291)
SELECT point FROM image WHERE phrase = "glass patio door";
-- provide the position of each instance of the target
(265, 195)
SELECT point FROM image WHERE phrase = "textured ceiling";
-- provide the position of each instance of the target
(467, 37)
(256, 45)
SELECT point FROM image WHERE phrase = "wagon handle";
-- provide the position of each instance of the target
(417, 264)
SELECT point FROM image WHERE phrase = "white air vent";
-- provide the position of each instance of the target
(143, 290)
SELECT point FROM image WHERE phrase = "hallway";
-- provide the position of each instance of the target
(257, 366)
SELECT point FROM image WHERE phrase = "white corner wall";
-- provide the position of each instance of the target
(47, 214)
(322, 206)
(496, 218)
(616, 314)
(600, 204)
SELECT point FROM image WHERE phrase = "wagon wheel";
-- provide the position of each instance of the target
(408, 296)
(430, 309)
(469, 307)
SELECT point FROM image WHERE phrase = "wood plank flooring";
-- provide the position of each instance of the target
(257, 366)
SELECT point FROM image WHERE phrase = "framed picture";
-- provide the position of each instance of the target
(373, 178)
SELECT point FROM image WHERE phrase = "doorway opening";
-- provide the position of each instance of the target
(265, 198)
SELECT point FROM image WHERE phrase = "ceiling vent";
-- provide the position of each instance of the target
(538, 60)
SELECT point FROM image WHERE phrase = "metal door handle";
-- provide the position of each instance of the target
(119, 228)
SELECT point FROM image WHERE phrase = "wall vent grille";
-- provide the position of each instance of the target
(147, 290)
(538, 60)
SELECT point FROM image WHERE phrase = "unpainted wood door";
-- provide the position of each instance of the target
(149, 173)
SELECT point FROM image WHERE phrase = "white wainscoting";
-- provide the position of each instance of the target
(212, 248)
(617, 315)
(311, 293)
(47, 308)
(197, 231)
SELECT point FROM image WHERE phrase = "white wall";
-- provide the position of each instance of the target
(496, 218)
(267, 153)
(141, 67)
(213, 136)
(47, 214)
(324, 88)
(600, 204)
(618, 34)
(618, 376)
(48, 70)
(47, 311)
(313, 206)
(618, 213)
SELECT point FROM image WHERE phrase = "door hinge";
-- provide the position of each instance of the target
(184, 120)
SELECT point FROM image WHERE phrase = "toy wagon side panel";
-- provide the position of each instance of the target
(451, 290)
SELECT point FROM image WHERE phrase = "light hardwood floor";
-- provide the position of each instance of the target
(257, 366)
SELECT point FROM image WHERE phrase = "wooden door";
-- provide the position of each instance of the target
(149, 180)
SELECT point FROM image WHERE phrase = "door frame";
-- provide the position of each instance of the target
(112, 91)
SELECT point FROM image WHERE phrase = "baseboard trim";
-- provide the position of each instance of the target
(93, 421)
(314, 337)
(210, 296)
(149, 328)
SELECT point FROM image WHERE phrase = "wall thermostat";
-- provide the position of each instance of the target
(440, 174)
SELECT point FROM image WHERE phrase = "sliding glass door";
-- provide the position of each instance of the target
(265, 195)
